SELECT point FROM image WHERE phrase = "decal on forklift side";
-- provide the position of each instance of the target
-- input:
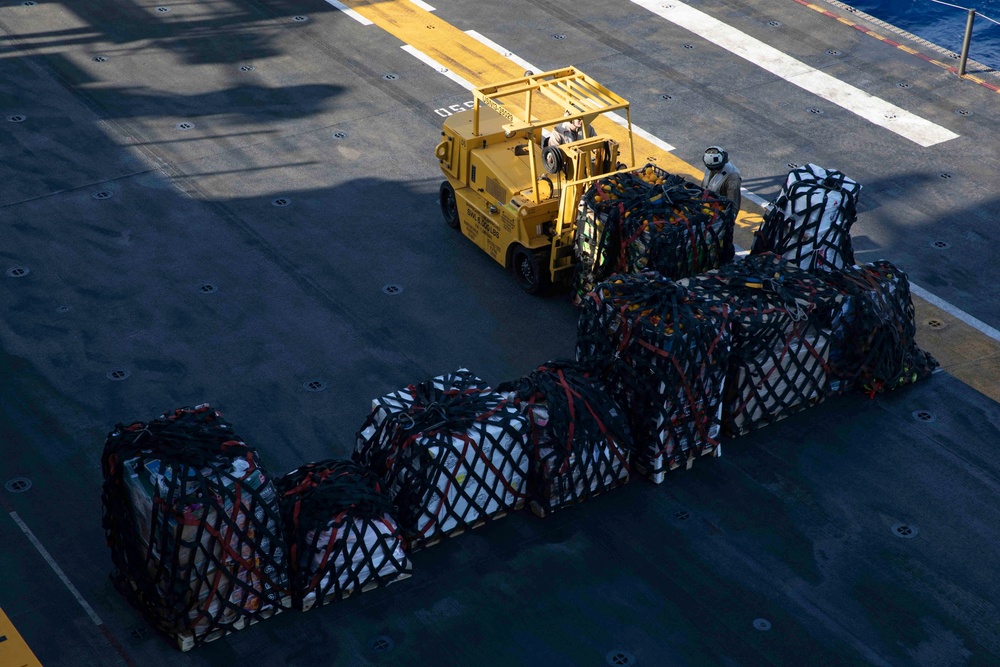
(493, 104)
(444, 112)
(488, 226)
(508, 221)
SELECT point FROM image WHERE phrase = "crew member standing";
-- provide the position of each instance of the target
(723, 178)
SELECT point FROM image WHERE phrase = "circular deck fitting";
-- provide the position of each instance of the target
(390, 76)
(924, 415)
(247, 68)
(118, 374)
(682, 515)
(762, 624)
(392, 289)
(63, 308)
(186, 125)
(207, 288)
(281, 201)
(620, 658)
(381, 644)
(944, 174)
(18, 271)
(558, 36)
(904, 84)
(666, 97)
(650, 158)
(100, 59)
(814, 110)
(667, 5)
(792, 165)
(689, 46)
(163, 10)
(774, 24)
(905, 530)
(963, 112)
(18, 484)
(431, 27)
(941, 245)
(314, 385)
(300, 18)
(954, 56)
(29, 3)
(935, 324)
(340, 135)
(890, 116)
(832, 52)
(17, 118)
(103, 194)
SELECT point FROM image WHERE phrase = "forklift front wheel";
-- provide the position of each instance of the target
(449, 206)
(530, 269)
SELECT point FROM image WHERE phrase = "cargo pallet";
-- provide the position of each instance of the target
(188, 640)
(461, 529)
(539, 511)
(688, 463)
(310, 600)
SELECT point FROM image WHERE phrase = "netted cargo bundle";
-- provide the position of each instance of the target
(809, 222)
(579, 439)
(781, 341)
(650, 220)
(342, 537)
(452, 452)
(873, 330)
(664, 355)
(192, 520)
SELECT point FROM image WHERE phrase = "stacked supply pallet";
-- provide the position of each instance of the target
(809, 222)
(874, 329)
(192, 520)
(342, 536)
(781, 339)
(650, 220)
(579, 439)
(452, 452)
(664, 355)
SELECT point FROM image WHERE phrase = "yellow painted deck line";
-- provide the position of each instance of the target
(967, 354)
(14, 651)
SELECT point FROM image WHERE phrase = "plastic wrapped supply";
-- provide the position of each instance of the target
(873, 331)
(809, 222)
(192, 520)
(781, 338)
(579, 439)
(342, 536)
(650, 220)
(664, 356)
(452, 453)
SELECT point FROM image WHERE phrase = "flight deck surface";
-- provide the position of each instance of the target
(236, 202)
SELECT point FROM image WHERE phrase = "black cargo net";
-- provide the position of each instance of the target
(452, 452)
(781, 341)
(192, 520)
(664, 355)
(579, 440)
(873, 331)
(342, 537)
(809, 222)
(650, 220)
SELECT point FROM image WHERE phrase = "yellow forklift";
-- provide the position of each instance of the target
(507, 189)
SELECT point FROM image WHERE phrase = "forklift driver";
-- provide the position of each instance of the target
(569, 131)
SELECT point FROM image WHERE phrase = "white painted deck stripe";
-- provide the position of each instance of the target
(350, 12)
(55, 568)
(423, 5)
(873, 109)
(426, 59)
(614, 117)
(956, 312)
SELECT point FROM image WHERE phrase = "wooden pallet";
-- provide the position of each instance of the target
(188, 640)
(687, 464)
(310, 601)
(539, 511)
(437, 539)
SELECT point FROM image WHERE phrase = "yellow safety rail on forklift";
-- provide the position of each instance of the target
(14, 652)
(510, 190)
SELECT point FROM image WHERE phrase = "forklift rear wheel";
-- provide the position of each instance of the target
(449, 207)
(530, 269)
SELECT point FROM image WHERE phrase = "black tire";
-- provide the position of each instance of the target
(530, 269)
(552, 159)
(449, 205)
